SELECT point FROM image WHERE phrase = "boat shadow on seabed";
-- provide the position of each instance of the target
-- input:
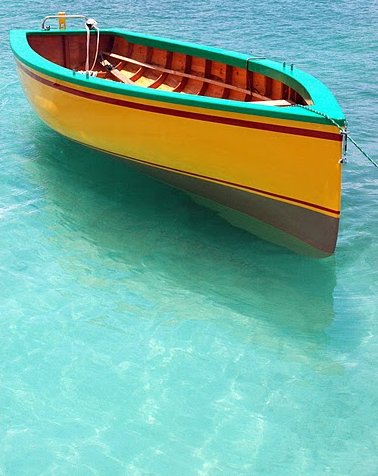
(151, 226)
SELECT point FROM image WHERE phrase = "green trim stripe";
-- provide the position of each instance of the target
(305, 84)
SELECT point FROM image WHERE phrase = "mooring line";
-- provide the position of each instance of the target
(343, 131)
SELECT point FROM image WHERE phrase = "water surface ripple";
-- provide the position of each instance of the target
(143, 335)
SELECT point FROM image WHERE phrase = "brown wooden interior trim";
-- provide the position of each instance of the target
(160, 80)
(206, 74)
(227, 79)
(138, 74)
(185, 79)
(143, 66)
(250, 81)
(268, 86)
(130, 48)
(248, 96)
(291, 95)
(64, 51)
(285, 91)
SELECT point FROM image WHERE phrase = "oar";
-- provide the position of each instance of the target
(115, 72)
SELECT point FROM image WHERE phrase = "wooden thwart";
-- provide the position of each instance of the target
(275, 102)
(185, 75)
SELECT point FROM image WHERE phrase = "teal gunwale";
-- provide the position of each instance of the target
(310, 87)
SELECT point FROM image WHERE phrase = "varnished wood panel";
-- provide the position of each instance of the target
(70, 51)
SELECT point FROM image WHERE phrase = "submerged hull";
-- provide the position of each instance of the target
(284, 173)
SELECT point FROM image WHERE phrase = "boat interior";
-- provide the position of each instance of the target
(152, 67)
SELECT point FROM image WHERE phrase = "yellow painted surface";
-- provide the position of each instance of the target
(62, 20)
(298, 167)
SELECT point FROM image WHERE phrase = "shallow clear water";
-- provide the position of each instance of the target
(143, 335)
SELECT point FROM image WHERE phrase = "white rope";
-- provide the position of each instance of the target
(97, 48)
(88, 40)
(91, 24)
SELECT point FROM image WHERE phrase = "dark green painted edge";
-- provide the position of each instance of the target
(305, 84)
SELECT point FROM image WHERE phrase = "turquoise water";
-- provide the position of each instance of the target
(143, 335)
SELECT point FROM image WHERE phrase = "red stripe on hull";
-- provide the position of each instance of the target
(188, 115)
(172, 169)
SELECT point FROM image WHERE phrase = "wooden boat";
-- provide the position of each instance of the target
(257, 140)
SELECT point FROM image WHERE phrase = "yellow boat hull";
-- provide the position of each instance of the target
(285, 174)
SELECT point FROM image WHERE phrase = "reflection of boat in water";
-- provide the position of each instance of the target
(253, 278)
(259, 293)
(233, 130)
